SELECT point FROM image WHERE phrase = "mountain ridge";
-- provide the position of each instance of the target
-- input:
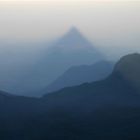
(115, 88)
(107, 109)
(77, 75)
(60, 56)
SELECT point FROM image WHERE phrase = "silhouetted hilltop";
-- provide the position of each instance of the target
(5, 94)
(129, 68)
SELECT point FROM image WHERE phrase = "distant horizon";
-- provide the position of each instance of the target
(101, 21)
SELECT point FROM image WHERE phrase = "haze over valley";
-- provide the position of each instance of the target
(69, 70)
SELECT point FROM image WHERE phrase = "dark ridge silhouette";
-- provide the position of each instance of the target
(129, 68)
(103, 110)
(2, 93)
(117, 82)
(81, 74)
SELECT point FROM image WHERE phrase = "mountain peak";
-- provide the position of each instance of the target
(74, 42)
(74, 38)
(73, 31)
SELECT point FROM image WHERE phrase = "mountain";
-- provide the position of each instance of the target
(107, 109)
(5, 94)
(129, 67)
(70, 50)
(111, 90)
(74, 40)
(81, 74)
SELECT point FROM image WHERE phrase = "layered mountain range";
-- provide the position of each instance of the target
(106, 109)
(81, 74)
(114, 89)
(72, 49)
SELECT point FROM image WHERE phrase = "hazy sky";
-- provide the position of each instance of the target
(112, 25)
(103, 21)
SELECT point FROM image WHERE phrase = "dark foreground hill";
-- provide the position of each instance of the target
(104, 110)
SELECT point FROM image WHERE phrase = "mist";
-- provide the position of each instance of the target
(29, 28)
(69, 70)
(113, 24)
